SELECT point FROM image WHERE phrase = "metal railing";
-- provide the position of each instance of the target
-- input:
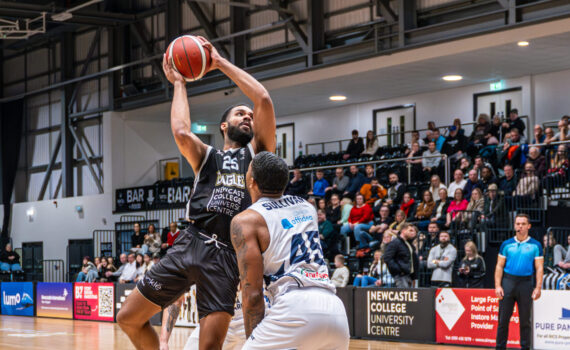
(54, 270)
(105, 243)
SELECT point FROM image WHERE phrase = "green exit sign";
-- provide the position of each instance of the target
(198, 128)
(497, 86)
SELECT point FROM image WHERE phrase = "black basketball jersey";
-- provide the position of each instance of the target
(219, 191)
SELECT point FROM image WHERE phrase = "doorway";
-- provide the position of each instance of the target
(32, 257)
(497, 102)
(285, 142)
(394, 121)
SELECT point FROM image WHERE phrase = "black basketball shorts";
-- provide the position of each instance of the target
(212, 267)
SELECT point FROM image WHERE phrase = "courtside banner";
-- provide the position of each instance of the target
(17, 298)
(346, 294)
(551, 321)
(94, 301)
(394, 313)
(54, 300)
(122, 291)
(470, 317)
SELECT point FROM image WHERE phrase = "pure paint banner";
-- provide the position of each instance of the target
(54, 300)
(17, 298)
(470, 317)
(551, 326)
(94, 301)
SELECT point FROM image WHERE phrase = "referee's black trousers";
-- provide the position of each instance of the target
(517, 289)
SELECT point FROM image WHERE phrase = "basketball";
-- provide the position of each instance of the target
(189, 57)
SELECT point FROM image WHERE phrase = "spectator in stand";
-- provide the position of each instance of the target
(494, 210)
(297, 186)
(369, 170)
(355, 147)
(137, 238)
(415, 164)
(147, 260)
(465, 165)
(401, 258)
(321, 204)
(141, 267)
(539, 135)
(433, 235)
(103, 269)
(441, 259)
(529, 184)
(429, 137)
(510, 152)
(152, 241)
(495, 130)
(563, 133)
(457, 205)
(381, 223)
(415, 139)
(340, 183)
(333, 210)
(329, 239)
(373, 192)
(538, 161)
(480, 134)
(565, 252)
(471, 271)
(111, 263)
(88, 271)
(431, 125)
(439, 215)
(439, 140)
(472, 183)
(399, 221)
(355, 183)
(459, 182)
(487, 178)
(114, 276)
(435, 186)
(514, 122)
(552, 251)
(455, 144)
(346, 208)
(341, 274)
(548, 135)
(319, 185)
(130, 271)
(168, 237)
(408, 205)
(395, 191)
(457, 124)
(474, 208)
(431, 165)
(425, 210)
(371, 144)
(508, 183)
(155, 260)
(9, 259)
(361, 218)
(478, 165)
(378, 274)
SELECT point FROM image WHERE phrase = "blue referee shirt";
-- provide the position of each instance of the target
(520, 255)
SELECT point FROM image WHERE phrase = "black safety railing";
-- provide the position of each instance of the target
(54, 270)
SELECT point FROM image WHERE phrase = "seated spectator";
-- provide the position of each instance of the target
(111, 263)
(539, 135)
(465, 165)
(399, 221)
(457, 124)
(472, 183)
(130, 271)
(508, 183)
(548, 135)
(479, 164)
(152, 241)
(457, 205)
(471, 271)
(494, 210)
(395, 191)
(361, 218)
(401, 258)
(429, 137)
(333, 210)
(559, 164)
(97, 262)
(415, 139)
(529, 184)
(432, 238)
(474, 208)
(371, 144)
(103, 269)
(441, 258)
(494, 131)
(9, 260)
(319, 185)
(538, 161)
(341, 274)
(369, 171)
(381, 223)
(431, 165)
(510, 152)
(431, 125)
(297, 186)
(565, 253)
(373, 192)
(88, 271)
(563, 133)
(114, 276)
(378, 274)
(346, 208)
(455, 144)
(340, 183)
(415, 164)
(425, 208)
(168, 237)
(321, 204)
(439, 140)
(355, 147)
(439, 215)
(458, 182)
(355, 182)
(552, 250)
(514, 122)
(329, 239)
(137, 238)
(147, 262)
(141, 267)
(155, 260)
(435, 186)
(408, 205)
(480, 134)
(487, 178)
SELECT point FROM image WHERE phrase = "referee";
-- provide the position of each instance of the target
(519, 257)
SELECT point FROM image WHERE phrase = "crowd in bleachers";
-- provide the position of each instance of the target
(364, 197)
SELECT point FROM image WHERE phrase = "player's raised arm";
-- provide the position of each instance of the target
(189, 144)
(263, 111)
(244, 233)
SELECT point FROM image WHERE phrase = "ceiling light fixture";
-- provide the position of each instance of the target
(337, 98)
(452, 77)
(523, 43)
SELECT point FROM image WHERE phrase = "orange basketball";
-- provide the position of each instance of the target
(188, 57)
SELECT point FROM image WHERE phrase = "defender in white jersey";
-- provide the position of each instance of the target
(277, 239)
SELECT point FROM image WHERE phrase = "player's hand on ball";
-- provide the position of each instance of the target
(171, 74)
(214, 55)
(536, 293)
(499, 293)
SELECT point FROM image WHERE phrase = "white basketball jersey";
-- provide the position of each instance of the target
(294, 257)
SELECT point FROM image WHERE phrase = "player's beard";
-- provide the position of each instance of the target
(238, 135)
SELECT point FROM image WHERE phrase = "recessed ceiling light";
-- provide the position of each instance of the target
(522, 43)
(452, 77)
(337, 98)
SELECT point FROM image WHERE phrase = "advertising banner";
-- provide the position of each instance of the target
(54, 300)
(346, 294)
(470, 317)
(394, 313)
(94, 301)
(163, 195)
(122, 291)
(17, 298)
(551, 324)
(188, 316)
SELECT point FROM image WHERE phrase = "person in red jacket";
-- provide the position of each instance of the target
(360, 219)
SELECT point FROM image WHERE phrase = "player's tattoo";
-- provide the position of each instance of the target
(173, 311)
(240, 247)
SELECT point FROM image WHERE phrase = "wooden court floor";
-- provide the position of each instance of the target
(26, 333)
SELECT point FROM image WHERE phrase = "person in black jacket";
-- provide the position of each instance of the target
(514, 122)
(471, 271)
(355, 147)
(401, 257)
(455, 144)
(297, 186)
(395, 192)
(9, 259)
(137, 238)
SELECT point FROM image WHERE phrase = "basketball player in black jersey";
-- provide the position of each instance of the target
(203, 253)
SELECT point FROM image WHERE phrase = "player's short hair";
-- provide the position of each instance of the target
(227, 113)
(270, 172)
